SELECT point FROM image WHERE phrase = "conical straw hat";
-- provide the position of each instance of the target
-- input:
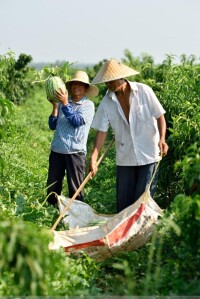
(113, 70)
(82, 76)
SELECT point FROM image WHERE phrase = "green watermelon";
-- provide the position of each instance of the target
(52, 85)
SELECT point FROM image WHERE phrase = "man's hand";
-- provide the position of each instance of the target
(93, 167)
(163, 147)
(98, 144)
(162, 131)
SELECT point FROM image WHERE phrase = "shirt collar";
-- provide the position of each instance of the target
(79, 102)
(133, 86)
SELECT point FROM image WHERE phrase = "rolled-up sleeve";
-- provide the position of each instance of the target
(101, 121)
(52, 122)
(74, 117)
(155, 106)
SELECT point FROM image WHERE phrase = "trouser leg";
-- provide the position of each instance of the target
(132, 182)
(75, 165)
(56, 174)
(125, 189)
(144, 175)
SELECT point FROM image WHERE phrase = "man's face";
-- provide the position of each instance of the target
(114, 85)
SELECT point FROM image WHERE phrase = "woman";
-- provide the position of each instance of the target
(71, 119)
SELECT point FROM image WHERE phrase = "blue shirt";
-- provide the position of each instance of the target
(72, 126)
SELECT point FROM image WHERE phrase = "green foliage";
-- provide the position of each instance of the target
(28, 267)
(13, 87)
(21, 260)
(177, 87)
(91, 71)
(26, 147)
(100, 191)
(178, 243)
(6, 109)
(180, 87)
(13, 74)
(61, 71)
(190, 170)
(168, 264)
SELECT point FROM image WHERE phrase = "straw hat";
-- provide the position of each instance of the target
(82, 76)
(113, 70)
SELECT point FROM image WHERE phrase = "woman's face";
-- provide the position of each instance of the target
(78, 89)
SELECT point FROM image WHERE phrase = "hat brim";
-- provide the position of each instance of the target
(112, 78)
(91, 92)
(113, 70)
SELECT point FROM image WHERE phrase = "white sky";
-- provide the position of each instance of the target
(87, 31)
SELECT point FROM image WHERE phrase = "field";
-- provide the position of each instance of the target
(168, 265)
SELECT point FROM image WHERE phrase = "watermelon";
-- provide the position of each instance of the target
(52, 85)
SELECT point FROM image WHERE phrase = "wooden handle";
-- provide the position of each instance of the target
(81, 186)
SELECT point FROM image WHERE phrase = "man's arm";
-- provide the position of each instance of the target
(99, 142)
(162, 131)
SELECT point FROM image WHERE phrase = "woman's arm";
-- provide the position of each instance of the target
(54, 116)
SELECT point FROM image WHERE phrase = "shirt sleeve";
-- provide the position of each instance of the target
(101, 121)
(87, 111)
(74, 117)
(52, 122)
(155, 106)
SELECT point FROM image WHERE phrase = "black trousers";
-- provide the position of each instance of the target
(132, 182)
(71, 165)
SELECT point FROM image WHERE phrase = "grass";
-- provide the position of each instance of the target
(26, 150)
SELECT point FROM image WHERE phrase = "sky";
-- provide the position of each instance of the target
(88, 31)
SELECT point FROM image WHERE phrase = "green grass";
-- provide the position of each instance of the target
(27, 266)
(26, 149)
(155, 269)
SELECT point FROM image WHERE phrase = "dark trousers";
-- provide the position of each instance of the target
(132, 182)
(71, 165)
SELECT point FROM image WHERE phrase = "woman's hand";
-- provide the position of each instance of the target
(55, 107)
(55, 104)
(62, 96)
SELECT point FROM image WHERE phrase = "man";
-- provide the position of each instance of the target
(71, 119)
(137, 120)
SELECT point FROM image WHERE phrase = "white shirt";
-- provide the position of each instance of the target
(137, 141)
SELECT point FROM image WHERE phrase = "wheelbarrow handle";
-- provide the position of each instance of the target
(88, 177)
